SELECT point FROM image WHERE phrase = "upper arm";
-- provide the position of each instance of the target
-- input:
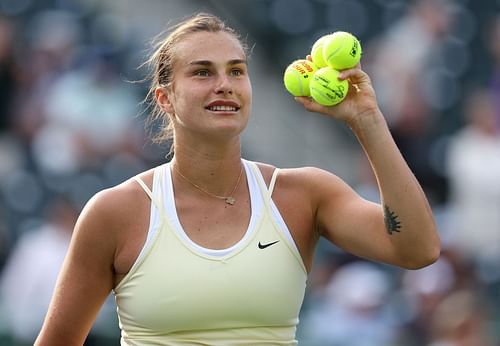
(86, 277)
(350, 221)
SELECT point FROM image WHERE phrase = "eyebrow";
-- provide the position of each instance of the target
(208, 62)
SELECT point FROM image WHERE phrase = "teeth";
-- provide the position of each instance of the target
(223, 108)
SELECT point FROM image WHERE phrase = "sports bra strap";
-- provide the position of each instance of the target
(273, 181)
(266, 191)
(144, 187)
(157, 203)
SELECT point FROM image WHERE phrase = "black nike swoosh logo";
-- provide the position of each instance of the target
(263, 246)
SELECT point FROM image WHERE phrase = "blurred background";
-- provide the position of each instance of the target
(71, 124)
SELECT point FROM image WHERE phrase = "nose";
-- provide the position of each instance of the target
(223, 85)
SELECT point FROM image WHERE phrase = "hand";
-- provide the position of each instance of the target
(359, 103)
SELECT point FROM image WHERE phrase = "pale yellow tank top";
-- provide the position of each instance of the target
(179, 293)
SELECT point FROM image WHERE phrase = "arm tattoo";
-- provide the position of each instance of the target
(392, 223)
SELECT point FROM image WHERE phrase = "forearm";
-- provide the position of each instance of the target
(409, 225)
(408, 217)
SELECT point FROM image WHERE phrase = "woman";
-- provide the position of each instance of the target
(211, 249)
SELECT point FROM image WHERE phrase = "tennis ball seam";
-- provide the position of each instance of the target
(317, 51)
(334, 52)
(298, 78)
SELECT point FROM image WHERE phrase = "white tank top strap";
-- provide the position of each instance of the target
(261, 183)
(156, 216)
(157, 213)
(154, 199)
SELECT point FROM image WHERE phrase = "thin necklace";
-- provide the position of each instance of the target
(228, 199)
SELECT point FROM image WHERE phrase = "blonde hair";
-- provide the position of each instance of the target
(161, 64)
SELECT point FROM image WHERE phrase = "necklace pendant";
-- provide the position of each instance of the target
(230, 200)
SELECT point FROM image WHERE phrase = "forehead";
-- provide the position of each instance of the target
(212, 46)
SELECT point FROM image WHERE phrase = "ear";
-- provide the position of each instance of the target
(163, 96)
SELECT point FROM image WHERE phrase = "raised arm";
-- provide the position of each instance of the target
(400, 231)
(86, 277)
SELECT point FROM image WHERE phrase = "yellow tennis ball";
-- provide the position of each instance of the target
(297, 76)
(326, 88)
(317, 51)
(341, 50)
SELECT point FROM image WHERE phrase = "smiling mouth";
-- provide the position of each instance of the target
(222, 108)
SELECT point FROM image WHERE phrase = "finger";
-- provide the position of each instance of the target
(309, 57)
(302, 100)
(355, 75)
(309, 104)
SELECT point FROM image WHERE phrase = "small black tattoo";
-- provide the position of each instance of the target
(392, 223)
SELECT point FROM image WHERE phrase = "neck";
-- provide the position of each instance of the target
(207, 155)
(214, 173)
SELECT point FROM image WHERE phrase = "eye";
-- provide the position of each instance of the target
(236, 72)
(201, 73)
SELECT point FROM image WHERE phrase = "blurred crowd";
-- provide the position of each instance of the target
(71, 123)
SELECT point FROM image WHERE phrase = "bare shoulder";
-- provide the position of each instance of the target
(302, 178)
(290, 173)
(116, 203)
(110, 215)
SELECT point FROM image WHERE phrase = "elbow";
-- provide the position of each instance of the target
(424, 259)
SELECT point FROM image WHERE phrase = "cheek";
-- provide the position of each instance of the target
(187, 97)
(245, 94)
(246, 90)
